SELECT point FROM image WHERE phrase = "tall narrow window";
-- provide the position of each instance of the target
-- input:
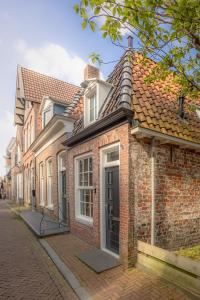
(84, 188)
(49, 184)
(42, 184)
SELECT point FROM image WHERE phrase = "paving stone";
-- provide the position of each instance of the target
(26, 272)
(116, 283)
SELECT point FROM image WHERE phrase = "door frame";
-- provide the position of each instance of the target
(103, 165)
(60, 170)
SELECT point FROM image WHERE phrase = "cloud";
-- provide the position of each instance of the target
(52, 59)
(7, 131)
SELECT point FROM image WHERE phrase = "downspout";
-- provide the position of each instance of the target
(34, 185)
(153, 191)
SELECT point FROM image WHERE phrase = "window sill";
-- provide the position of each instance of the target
(41, 205)
(50, 207)
(84, 220)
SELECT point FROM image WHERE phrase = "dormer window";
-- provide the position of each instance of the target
(90, 106)
(95, 95)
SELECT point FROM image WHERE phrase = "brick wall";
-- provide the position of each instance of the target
(177, 194)
(92, 233)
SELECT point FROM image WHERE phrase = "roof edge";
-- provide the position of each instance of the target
(109, 121)
(162, 136)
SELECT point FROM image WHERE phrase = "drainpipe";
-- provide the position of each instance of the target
(153, 191)
(33, 185)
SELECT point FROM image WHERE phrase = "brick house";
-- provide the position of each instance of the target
(117, 160)
(134, 162)
(41, 120)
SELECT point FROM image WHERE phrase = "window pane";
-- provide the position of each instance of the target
(80, 166)
(81, 179)
(87, 196)
(92, 115)
(90, 179)
(86, 203)
(90, 163)
(86, 179)
(92, 108)
(82, 208)
(112, 156)
(85, 164)
(87, 210)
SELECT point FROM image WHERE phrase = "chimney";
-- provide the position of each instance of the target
(91, 72)
(181, 111)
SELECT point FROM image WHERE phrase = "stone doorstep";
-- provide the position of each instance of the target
(65, 271)
(32, 220)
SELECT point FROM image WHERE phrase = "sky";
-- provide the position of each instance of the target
(46, 36)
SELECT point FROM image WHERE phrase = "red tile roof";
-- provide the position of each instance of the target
(155, 105)
(37, 85)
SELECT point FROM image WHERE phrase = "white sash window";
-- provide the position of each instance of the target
(84, 189)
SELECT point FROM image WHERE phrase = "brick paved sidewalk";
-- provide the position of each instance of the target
(26, 272)
(117, 283)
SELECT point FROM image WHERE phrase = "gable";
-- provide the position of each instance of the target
(37, 85)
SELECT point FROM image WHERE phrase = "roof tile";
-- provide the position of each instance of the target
(37, 85)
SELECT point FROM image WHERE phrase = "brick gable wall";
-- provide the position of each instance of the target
(177, 194)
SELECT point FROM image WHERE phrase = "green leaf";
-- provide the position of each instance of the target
(76, 8)
(84, 24)
(92, 25)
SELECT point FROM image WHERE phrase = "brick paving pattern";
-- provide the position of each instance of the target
(116, 283)
(26, 272)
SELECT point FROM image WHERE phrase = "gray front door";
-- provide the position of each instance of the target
(63, 197)
(112, 208)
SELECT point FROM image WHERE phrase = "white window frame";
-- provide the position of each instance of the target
(78, 216)
(42, 196)
(104, 164)
(49, 184)
(91, 94)
(61, 168)
(49, 109)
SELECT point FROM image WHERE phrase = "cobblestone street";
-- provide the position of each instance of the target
(26, 272)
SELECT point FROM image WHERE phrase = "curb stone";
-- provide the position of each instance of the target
(66, 272)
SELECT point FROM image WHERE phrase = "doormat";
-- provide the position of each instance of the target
(98, 260)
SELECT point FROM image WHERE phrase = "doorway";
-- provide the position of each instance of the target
(110, 199)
